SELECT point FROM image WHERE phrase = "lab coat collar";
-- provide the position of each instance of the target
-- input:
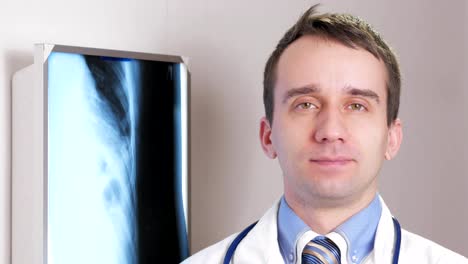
(261, 245)
(385, 237)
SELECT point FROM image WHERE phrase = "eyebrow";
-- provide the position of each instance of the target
(300, 91)
(311, 89)
(363, 92)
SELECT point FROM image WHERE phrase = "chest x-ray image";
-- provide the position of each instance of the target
(117, 179)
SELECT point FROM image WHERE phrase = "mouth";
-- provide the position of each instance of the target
(336, 162)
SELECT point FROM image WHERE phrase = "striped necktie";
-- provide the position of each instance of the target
(321, 250)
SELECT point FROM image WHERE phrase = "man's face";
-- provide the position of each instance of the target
(330, 128)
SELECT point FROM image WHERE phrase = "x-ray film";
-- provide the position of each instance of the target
(117, 169)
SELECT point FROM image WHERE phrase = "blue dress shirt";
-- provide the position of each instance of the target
(358, 231)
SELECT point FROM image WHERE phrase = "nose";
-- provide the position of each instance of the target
(330, 127)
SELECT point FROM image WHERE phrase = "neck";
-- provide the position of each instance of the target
(323, 215)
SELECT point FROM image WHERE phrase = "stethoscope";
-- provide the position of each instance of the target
(238, 239)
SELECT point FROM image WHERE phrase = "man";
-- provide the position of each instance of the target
(331, 94)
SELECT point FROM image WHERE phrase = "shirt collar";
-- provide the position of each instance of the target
(290, 229)
(358, 231)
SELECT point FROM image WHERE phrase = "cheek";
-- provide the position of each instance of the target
(373, 142)
(288, 138)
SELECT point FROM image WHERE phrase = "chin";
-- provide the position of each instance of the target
(332, 189)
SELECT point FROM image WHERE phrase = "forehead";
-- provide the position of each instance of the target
(332, 66)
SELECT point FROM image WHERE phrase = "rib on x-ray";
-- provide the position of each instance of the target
(114, 161)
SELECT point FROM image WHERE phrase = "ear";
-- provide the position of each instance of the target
(395, 136)
(265, 138)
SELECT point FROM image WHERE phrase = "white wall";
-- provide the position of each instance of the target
(228, 42)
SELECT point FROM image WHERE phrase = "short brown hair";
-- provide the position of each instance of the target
(348, 30)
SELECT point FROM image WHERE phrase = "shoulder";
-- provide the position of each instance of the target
(415, 247)
(212, 254)
(252, 247)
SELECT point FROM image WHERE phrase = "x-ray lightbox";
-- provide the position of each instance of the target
(100, 158)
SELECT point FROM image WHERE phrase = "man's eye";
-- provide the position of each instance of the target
(357, 107)
(306, 105)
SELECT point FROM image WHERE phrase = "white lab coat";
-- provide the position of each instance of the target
(261, 246)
